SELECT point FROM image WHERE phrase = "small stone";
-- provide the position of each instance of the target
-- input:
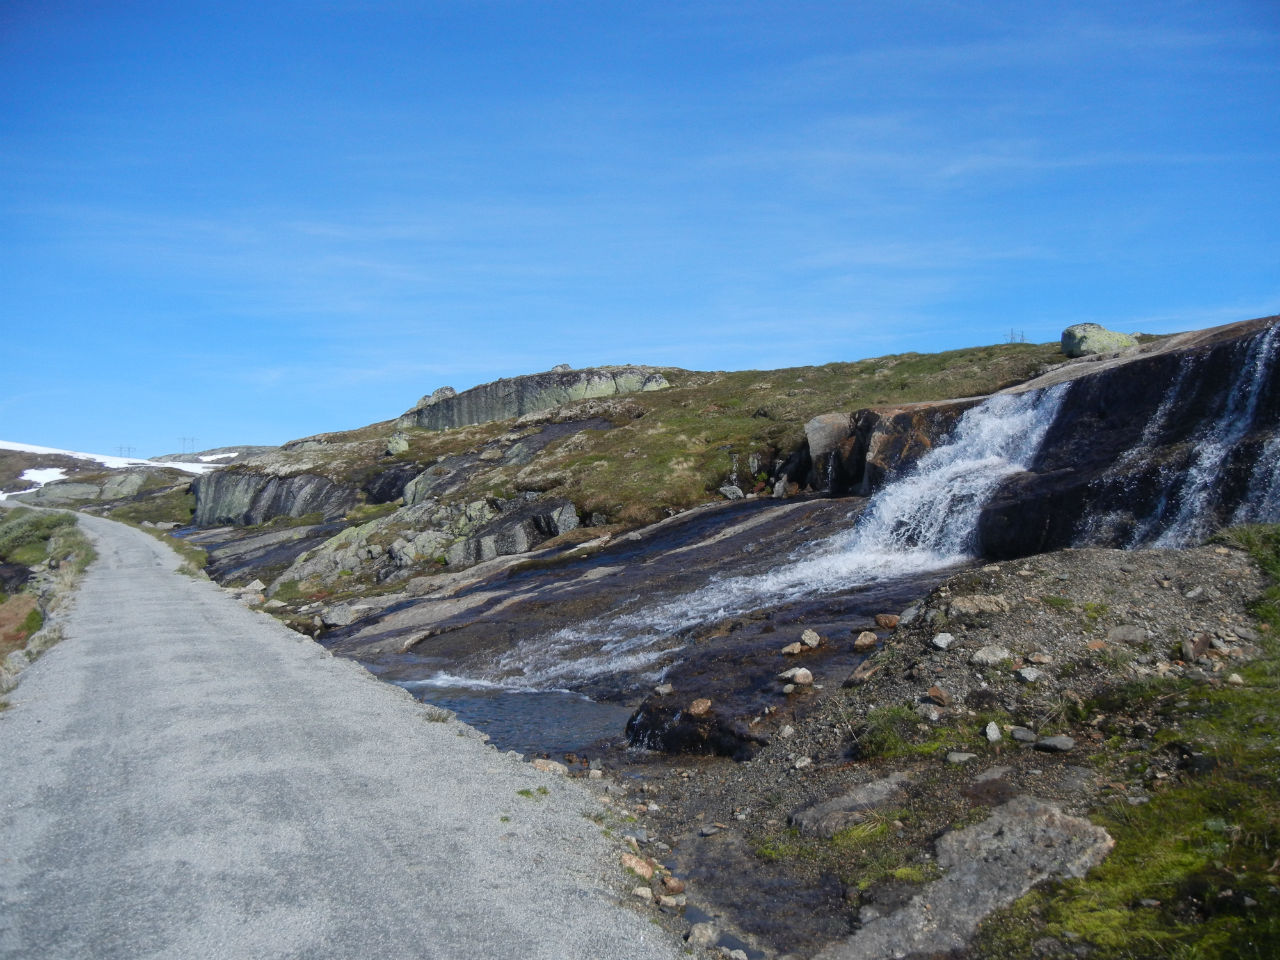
(791, 649)
(957, 756)
(637, 865)
(550, 766)
(671, 903)
(664, 689)
(787, 732)
(802, 678)
(1023, 735)
(993, 732)
(1245, 634)
(1040, 658)
(595, 774)
(703, 934)
(810, 638)
(1128, 633)
(928, 711)
(731, 492)
(643, 893)
(673, 885)
(710, 830)
(803, 762)
(942, 641)
(256, 586)
(1196, 594)
(700, 707)
(788, 688)
(1030, 675)
(864, 672)
(887, 621)
(866, 641)
(274, 605)
(1096, 645)
(1235, 680)
(990, 655)
(1058, 744)
(939, 696)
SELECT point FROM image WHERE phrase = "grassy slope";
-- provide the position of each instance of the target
(32, 538)
(672, 449)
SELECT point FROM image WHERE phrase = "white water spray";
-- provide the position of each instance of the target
(1197, 495)
(924, 520)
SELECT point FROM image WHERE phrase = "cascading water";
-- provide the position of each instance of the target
(924, 520)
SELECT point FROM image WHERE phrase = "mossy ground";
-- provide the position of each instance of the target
(1196, 871)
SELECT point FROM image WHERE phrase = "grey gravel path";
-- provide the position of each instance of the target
(184, 778)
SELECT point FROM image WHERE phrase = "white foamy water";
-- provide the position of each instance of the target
(924, 520)
(1197, 494)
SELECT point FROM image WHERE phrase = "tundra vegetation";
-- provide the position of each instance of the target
(43, 553)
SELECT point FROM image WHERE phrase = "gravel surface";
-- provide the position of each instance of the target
(183, 777)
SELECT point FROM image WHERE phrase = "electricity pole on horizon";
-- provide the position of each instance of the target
(188, 444)
(125, 451)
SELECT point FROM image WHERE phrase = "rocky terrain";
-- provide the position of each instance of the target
(820, 755)
(1067, 677)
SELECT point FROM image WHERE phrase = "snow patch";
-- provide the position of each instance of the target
(106, 460)
(43, 475)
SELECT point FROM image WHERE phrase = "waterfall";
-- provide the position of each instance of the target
(1192, 501)
(923, 520)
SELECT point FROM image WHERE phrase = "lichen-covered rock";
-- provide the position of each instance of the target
(457, 535)
(987, 866)
(1085, 339)
(517, 396)
(246, 497)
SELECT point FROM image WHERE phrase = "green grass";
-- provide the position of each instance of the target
(175, 505)
(25, 535)
(890, 733)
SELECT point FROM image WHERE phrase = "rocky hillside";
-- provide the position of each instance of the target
(427, 499)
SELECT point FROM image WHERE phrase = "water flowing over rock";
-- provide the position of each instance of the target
(517, 396)
(1158, 450)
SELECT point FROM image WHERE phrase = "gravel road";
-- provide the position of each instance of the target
(182, 777)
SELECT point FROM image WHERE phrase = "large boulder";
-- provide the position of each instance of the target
(1086, 339)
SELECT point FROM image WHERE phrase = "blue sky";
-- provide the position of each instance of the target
(249, 222)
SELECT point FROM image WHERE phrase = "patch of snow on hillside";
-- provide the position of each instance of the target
(43, 475)
(105, 459)
(214, 458)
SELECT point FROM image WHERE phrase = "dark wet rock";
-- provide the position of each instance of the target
(1058, 744)
(235, 554)
(831, 816)
(657, 725)
(13, 576)
(1083, 485)
(987, 866)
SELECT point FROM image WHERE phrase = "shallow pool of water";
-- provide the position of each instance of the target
(553, 722)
